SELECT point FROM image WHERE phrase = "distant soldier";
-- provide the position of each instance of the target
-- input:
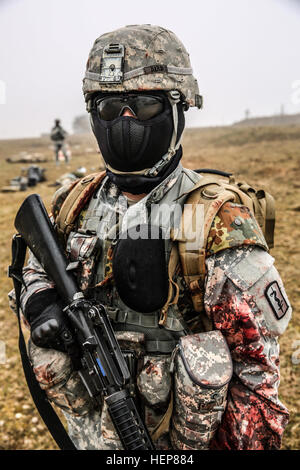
(58, 135)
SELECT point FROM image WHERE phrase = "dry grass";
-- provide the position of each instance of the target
(266, 157)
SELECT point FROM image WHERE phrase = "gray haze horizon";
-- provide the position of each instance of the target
(244, 54)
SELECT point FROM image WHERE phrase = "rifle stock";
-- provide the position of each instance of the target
(33, 223)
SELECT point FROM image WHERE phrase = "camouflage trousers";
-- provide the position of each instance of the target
(92, 429)
(60, 146)
(197, 378)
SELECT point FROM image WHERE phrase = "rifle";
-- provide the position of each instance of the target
(103, 369)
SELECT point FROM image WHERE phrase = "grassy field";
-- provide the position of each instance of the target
(265, 157)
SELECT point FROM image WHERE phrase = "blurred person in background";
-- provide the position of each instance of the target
(58, 136)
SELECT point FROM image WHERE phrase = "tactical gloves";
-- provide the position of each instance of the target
(48, 324)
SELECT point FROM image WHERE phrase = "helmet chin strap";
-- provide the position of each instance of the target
(174, 99)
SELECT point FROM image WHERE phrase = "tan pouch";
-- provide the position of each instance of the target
(203, 369)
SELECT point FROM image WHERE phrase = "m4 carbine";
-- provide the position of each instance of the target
(103, 369)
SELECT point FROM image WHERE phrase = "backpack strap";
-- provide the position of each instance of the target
(265, 214)
(203, 202)
(78, 197)
(173, 263)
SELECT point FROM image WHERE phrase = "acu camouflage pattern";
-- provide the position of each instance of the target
(154, 381)
(91, 428)
(203, 368)
(84, 250)
(54, 372)
(145, 45)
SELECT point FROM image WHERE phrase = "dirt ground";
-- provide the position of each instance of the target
(264, 157)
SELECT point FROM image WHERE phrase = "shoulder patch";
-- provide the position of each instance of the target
(233, 226)
(276, 299)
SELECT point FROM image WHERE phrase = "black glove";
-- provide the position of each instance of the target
(49, 325)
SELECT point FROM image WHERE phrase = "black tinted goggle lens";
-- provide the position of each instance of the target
(144, 107)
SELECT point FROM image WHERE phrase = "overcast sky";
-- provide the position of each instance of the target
(245, 54)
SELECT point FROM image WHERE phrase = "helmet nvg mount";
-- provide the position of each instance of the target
(143, 58)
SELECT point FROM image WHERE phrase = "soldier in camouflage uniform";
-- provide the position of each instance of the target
(203, 380)
(58, 135)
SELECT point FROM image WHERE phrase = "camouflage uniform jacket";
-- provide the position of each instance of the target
(56, 131)
(241, 290)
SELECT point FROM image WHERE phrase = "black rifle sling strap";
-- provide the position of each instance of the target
(39, 397)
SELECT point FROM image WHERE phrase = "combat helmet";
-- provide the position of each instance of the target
(140, 57)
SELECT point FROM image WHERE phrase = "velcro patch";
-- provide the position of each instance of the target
(157, 68)
(276, 300)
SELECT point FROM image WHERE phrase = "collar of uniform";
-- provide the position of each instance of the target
(138, 213)
(159, 191)
(154, 196)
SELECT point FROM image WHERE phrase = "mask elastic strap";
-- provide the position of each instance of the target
(174, 99)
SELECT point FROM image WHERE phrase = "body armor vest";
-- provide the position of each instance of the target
(108, 214)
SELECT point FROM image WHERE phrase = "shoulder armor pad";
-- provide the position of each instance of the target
(234, 225)
(59, 197)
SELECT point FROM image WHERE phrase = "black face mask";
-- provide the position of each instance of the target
(128, 144)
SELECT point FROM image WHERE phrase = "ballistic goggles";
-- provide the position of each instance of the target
(143, 106)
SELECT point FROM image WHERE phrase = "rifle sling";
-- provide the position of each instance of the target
(38, 395)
